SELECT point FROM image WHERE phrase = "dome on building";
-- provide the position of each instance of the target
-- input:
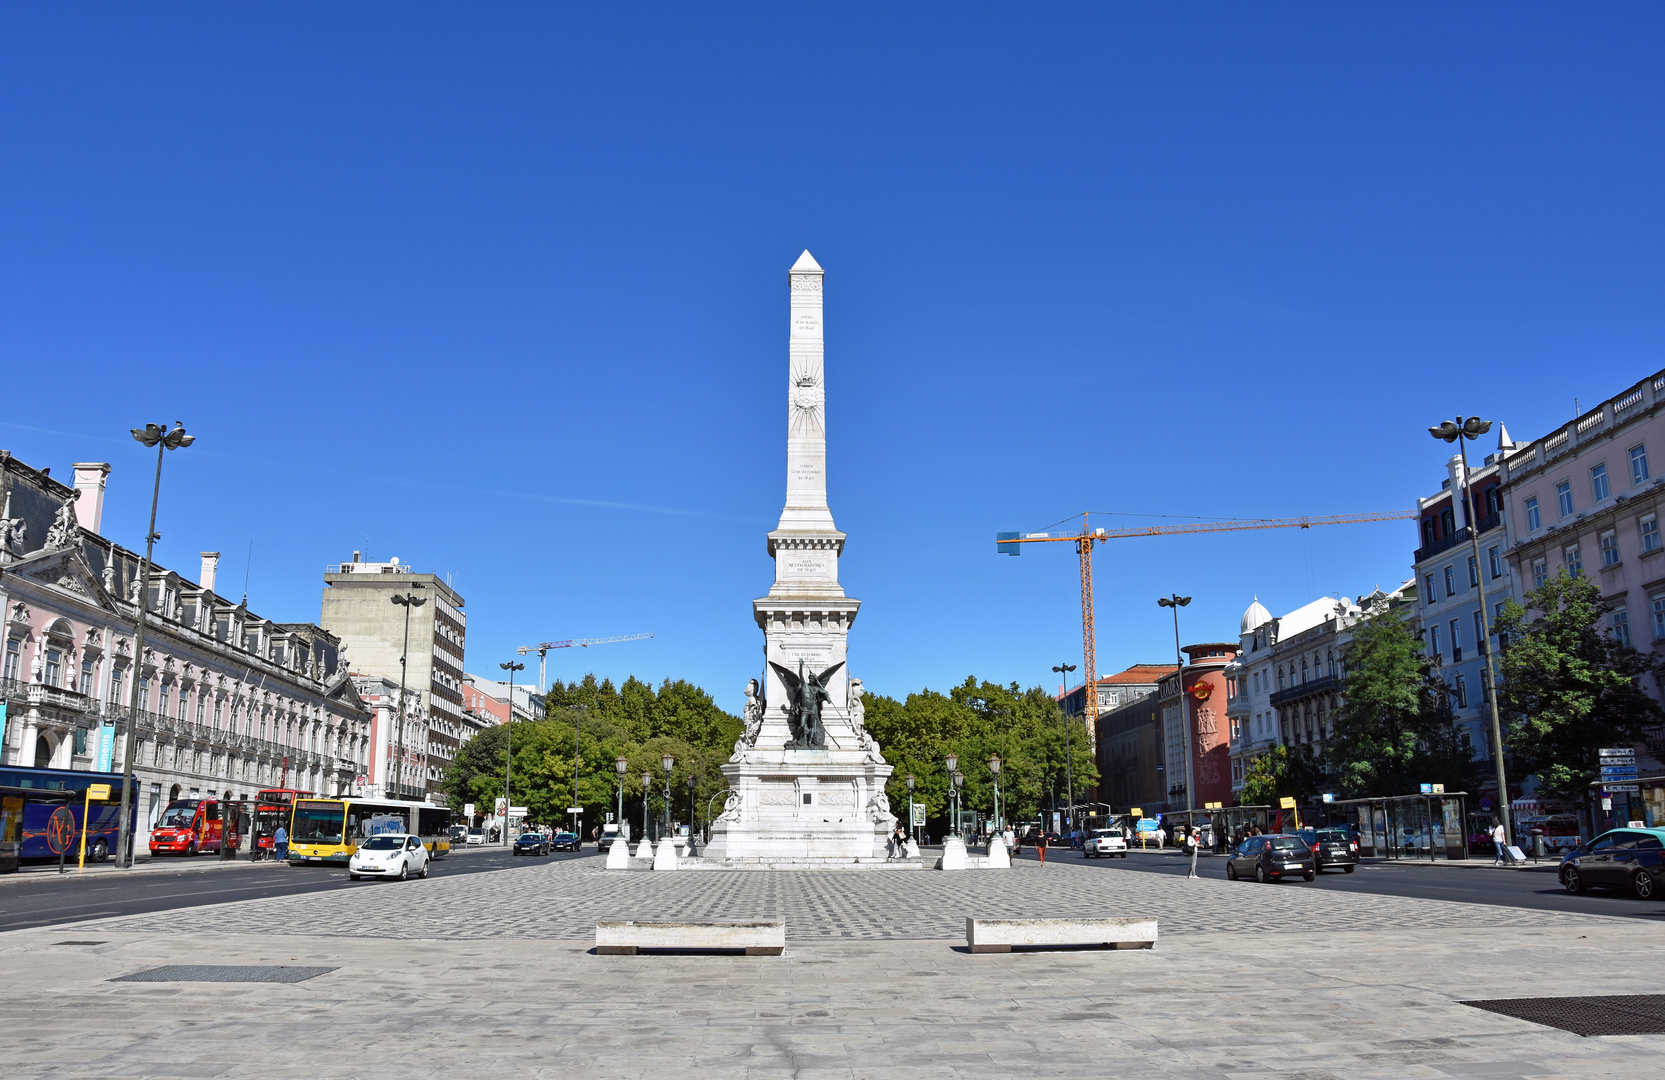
(1256, 617)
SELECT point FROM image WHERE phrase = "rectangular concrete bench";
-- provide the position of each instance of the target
(623, 937)
(999, 935)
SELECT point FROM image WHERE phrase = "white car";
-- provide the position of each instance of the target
(390, 855)
(1102, 842)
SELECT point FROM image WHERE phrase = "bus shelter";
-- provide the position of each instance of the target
(1407, 826)
(1223, 821)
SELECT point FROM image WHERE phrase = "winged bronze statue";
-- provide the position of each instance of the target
(806, 693)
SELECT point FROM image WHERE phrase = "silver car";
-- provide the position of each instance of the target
(390, 855)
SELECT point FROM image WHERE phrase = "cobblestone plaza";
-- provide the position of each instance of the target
(491, 975)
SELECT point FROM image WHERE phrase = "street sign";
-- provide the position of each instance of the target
(1632, 788)
(98, 791)
(1286, 803)
(1329, 798)
(1433, 789)
(1136, 812)
(1617, 751)
(468, 809)
(575, 809)
(60, 830)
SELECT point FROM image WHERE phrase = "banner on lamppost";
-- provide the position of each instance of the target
(106, 745)
(916, 814)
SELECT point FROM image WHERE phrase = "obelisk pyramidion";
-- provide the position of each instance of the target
(807, 779)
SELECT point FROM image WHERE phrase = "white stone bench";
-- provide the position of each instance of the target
(623, 937)
(999, 935)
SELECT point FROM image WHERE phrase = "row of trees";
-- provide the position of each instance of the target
(588, 725)
(1568, 687)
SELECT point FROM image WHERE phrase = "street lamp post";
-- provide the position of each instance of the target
(409, 600)
(577, 728)
(647, 786)
(508, 747)
(959, 782)
(621, 766)
(693, 782)
(667, 761)
(1176, 602)
(994, 770)
(911, 828)
(150, 435)
(953, 762)
(1461, 433)
(1069, 762)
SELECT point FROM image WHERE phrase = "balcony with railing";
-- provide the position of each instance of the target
(1329, 684)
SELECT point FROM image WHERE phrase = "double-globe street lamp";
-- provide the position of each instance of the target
(1465, 430)
(994, 770)
(157, 436)
(1176, 601)
(409, 600)
(647, 786)
(622, 766)
(508, 746)
(1069, 765)
(668, 762)
(959, 782)
(953, 762)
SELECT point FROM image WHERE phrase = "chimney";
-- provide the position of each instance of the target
(210, 564)
(89, 486)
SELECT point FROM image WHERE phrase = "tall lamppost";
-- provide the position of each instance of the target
(621, 766)
(409, 600)
(508, 746)
(647, 786)
(911, 828)
(1176, 602)
(1462, 432)
(693, 782)
(959, 782)
(953, 762)
(577, 727)
(667, 761)
(150, 435)
(1069, 762)
(994, 770)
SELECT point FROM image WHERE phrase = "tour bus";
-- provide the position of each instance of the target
(191, 826)
(28, 797)
(273, 807)
(329, 830)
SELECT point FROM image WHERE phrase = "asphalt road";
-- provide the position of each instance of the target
(1509, 888)
(31, 900)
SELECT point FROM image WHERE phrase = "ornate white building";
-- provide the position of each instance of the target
(229, 702)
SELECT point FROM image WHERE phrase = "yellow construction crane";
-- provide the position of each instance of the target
(1011, 543)
(542, 649)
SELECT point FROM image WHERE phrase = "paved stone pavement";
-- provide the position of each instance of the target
(562, 900)
(1249, 981)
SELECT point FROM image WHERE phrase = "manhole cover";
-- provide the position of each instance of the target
(215, 973)
(80, 943)
(1626, 1014)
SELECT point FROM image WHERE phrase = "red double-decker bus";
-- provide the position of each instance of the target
(273, 807)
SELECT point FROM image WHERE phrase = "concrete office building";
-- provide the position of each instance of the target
(358, 607)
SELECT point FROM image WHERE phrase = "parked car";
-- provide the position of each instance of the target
(457, 834)
(1102, 842)
(564, 841)
(476, 836)
(1332, 847)
(390, 855)
(1272, 858)
(532, 843)
(1631, 859)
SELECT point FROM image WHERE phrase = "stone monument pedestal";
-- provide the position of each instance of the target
(803, 806)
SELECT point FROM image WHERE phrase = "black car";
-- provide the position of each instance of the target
(564, 841)
(1272, 858)
(458, 835)
(1632, 859)
(1332, 848)
(532, 843)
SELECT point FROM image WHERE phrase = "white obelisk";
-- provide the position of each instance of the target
(792, 805)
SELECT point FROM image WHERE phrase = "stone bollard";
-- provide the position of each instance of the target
(665, 857)
(999, 857)
(913, 849)
(618, 856)
(953, 854)
(644, 850)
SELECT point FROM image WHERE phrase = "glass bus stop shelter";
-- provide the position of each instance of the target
(1405, 826)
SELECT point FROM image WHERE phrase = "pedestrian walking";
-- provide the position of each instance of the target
(1500, 842)
(280, 844)
(1040, 847)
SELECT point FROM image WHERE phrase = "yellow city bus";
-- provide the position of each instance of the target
(330, 830)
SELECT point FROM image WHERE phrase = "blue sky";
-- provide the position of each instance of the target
(502, 291)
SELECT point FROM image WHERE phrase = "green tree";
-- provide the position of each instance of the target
(1278, 773)
(1568, 687)
(1394, 729)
